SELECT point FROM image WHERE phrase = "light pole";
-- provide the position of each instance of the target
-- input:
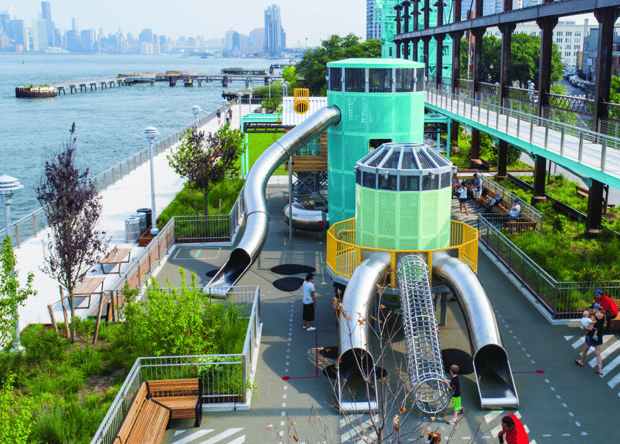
(269, 80)
(285, 87)
(150, 133)
(239, 96)
(195, 109)
(250, 90)
(8, 186)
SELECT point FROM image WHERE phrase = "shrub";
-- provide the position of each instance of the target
(15, 415)
(559, 223)
(42, 346)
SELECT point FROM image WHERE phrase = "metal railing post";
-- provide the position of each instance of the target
(546, 135)
(580, 146)
(562, 140)
(34, 224)
(603, 153)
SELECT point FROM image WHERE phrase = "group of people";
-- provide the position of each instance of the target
(228, 113)
(593, 320)
(512, 432)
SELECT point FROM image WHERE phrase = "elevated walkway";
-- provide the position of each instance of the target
(587, 153)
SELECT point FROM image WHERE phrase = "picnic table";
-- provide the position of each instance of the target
(116, 257)
(88, 287)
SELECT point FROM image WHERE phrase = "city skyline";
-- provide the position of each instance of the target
(191, 19)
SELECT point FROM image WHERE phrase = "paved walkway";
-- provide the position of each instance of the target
(119, 201)
(291, 390)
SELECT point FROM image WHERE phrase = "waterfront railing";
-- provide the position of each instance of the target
(226, 379)
(560, 300)
(29, 226)
(527, 210)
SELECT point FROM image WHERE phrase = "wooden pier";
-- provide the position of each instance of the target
(189, 79)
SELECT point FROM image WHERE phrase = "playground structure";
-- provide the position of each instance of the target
(399, 192)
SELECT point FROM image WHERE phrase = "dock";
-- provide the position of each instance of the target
(188, 78)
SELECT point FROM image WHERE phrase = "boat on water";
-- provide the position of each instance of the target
(32, 91)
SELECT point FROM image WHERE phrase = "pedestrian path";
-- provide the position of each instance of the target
(233, 435)
(610, 353)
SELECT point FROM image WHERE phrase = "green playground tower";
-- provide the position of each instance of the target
(402, 195)
(380, 100)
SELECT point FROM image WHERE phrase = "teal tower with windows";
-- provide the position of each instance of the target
(381, 101)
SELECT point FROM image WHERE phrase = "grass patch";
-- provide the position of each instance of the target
(258, 143)
(459, 154)
(189, 202)
(561, 248)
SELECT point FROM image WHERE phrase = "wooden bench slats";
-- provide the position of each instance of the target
(181, 406)
(173, 387)
(150, 425)
(132, 414)
(615, 322)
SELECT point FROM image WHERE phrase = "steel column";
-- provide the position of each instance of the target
(606, 18)
(398, 8)
(595, 209)
(504, 78)
(502, 158)
(546, 26)
(438, 58)
(540, 170)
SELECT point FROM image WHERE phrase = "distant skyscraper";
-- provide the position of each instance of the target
(73, 41)
(39, 35)
(74, 24)
(373, 23)
(274, 34)
(4, 19)
(146, 36)
(46, 10)
(257, 39)
(17, 31)
(87, 40)
(228, 37)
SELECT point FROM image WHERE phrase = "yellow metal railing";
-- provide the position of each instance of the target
(343, 255)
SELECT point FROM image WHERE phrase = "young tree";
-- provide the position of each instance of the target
(11, 295)
(313, 65)
(206, 160)
(72, 206)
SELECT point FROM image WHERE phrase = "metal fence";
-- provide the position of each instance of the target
(180, 229)
(30, 225)
(562, 300)
(589, 148)
(225, 378)
(527, 210)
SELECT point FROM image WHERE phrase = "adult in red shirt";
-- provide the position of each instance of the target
(512, 431)
(608, 304)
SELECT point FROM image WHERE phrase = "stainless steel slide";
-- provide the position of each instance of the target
(357, 381)
(307, 220)
(496, 386)
(257, 218)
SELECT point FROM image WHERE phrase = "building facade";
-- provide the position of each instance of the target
(373, 20)
(275, 38)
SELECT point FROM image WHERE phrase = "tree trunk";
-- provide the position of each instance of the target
(64, 311)
(101, 297)
(72, 306)
(206, 203)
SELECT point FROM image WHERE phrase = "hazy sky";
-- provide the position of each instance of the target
(315, 19)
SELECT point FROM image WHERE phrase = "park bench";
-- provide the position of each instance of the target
(524, 222)
(145, 422)
(182, 396)
(585, 193)
(615, 322)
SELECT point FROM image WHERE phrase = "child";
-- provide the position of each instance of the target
(455, 388)
(588, 323)
(219, 117)
(477, 189)
(462, 191)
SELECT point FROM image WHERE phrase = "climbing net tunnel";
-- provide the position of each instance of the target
(424, 362)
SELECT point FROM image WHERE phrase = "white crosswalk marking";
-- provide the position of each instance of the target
(489, 417)
(239, 440)
(221, 436)
(578, 343)
(614, 381)
(605, 353)
(190, 438)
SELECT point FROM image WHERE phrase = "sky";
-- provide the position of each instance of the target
(314, 20)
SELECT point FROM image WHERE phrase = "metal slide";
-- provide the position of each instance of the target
(357, 381)
(257, 218)
(496, 386)
(304, 219)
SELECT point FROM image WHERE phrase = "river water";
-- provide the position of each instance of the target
(109, 123)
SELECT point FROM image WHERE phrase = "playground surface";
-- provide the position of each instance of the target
(292, 397)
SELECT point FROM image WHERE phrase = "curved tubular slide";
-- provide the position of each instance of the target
(357, 381)
(496, 386)
(257, 218)
(307, 220)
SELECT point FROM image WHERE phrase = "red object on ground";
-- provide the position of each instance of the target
(517, 435)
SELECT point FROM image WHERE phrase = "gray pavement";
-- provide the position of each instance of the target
(559, 402)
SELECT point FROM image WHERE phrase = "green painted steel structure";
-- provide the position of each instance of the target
(380, 100)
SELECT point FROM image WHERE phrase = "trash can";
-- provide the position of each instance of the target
(132, 230)
(142, 217)
(149, 216)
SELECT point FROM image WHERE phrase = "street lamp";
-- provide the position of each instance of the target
(269, 80)
(8, 185)
(195, 109)
(285, 86)
(250, 90)
(239, 96)
(150, 133)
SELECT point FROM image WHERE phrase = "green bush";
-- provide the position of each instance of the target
(43, 345)
(559, 223)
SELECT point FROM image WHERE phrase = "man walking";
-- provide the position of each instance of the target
(309, 301)
(607, 304)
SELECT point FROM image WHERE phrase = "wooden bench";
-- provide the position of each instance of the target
(145, 422)
(116, 257)
(182, 396)
(523, 223)
(581, 191)
(615, 322)
(88, 287)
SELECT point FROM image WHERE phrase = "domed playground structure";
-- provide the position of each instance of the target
(389, 210)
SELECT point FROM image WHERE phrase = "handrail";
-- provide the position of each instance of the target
(567, 141)
(344, 255)
(29, 225)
